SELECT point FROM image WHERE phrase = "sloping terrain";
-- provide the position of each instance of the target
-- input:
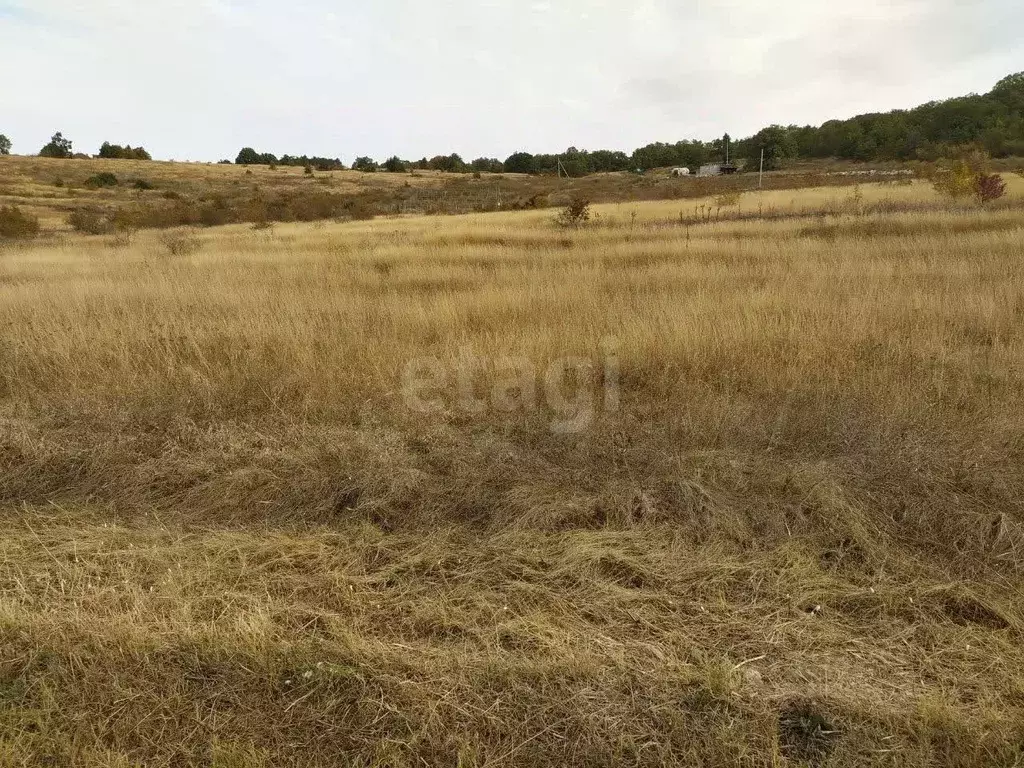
(149, 194)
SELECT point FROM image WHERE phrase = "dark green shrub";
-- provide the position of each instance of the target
(117, 152)
(58, 147)
(249, 156)
(365, 164)
(142, 185)
(101, 180)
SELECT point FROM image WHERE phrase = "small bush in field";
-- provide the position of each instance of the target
(962, 179)
(89, 221)
(359, 210)
(537, 201)
(728, 199)
(576, 214)
(125, 227)
(142, 185)
(101, 180)
(215, 214)
(181, 243)
(15, 225)
(989, 187)
(956, 182)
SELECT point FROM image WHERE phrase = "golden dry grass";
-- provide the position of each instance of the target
(797, 540)
(52, 189)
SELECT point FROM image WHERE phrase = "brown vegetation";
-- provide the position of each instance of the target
(797, 541)
(160, 194)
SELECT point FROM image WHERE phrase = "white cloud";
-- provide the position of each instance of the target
(200, 78)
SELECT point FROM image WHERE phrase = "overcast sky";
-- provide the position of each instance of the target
(199, 79)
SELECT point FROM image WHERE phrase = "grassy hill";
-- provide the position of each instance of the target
(671, 488)
(151, 194)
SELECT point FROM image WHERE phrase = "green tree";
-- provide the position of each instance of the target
(249, 156)
(605, 160)
(5, 145)
(520, 162)
(448, 164)
(575, 162)
(487, 165)
(58, 147)
(1010, 92)
(777, 144)
(656, 155)
(395, 164)
(962, 179)
(365, 164)
(116, 152)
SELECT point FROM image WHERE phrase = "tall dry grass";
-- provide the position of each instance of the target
(797, 537)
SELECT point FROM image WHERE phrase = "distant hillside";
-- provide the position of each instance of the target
(994, 121)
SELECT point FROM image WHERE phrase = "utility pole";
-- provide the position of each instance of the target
(760, 175)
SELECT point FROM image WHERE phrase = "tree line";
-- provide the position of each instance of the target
(60, 146)
(993, 122)
(249, 156)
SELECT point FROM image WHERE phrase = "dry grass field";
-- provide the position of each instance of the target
(53, 189)
(785, 527)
